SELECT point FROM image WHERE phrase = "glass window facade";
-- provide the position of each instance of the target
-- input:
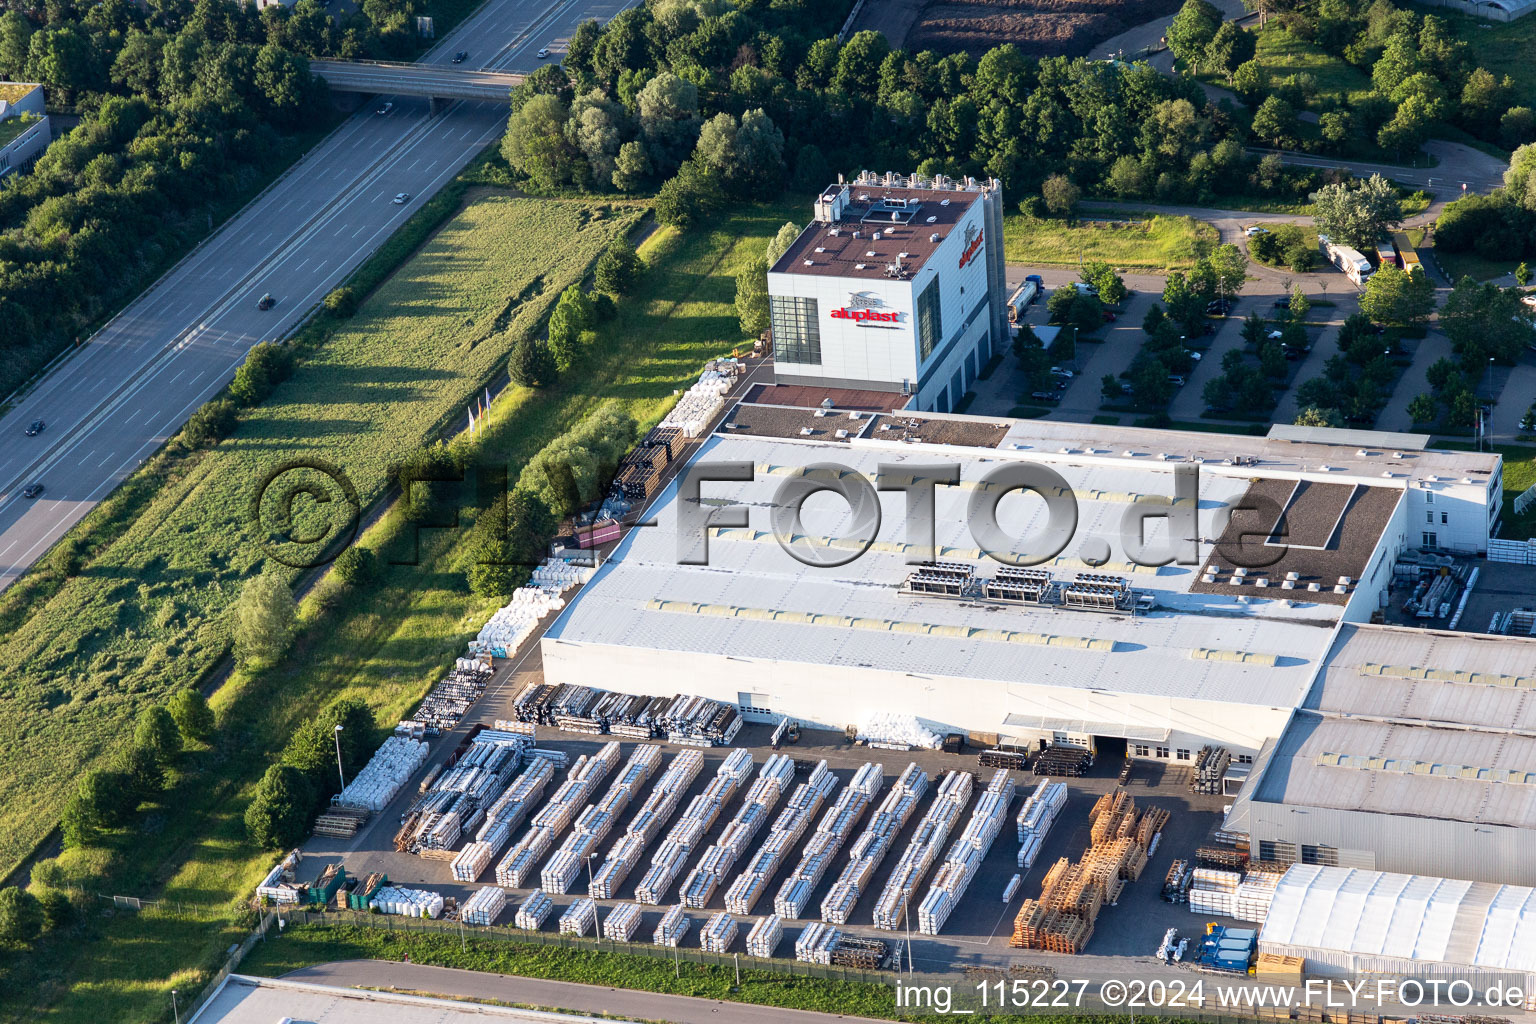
(930, 324)
(796, 329)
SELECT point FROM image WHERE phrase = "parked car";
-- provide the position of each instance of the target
(32, 491)
(1109, 317)
(1045, 396)
(385, 108)
(1218, 307)
(1176, 380)
(1126, 389)
(458, 58)
(1529, 300)
(1283, 302)
(1192, 354)
(1086, 289)
(400, 198)
(1058, 371)
(1256, 230)
(35, 427)
(1274, 335)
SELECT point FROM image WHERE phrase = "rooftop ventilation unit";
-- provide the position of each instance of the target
(934, 238)
(810, 263)
(876, 236)
(933, 220)
(842, 434)
(870, 253)
(905, 255)
(806, 431)
(821, 248)
(943, 202)
(860, 266)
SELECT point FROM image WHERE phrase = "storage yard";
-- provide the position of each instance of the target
(819, 845)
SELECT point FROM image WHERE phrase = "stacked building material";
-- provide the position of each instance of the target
(1176, 882)
(966, 854)
(697, 407)
(1255, 894)
(535, 909)
(592, 825)
(896, 899)
(474, 776)
(765, 936)
(386, 771)
(831, 833)
(520, 865)
(517, 801)
(278, 885)
(452, 696)
(472, 862)
(687, 833)
(579, 918)
(1211, 765)
(823, 944)
(485, 906)
(1037, 927)
(622, 922)
(888, 730)
(407, 902)
(1036, 818)
(694, 721)
(672, 927)
(1222, 858)
(1213, 891)
(700, 722)
(1063, 761)
(1012, 888)
(1016, 760)
(361, 896)
(871, 846)
(340, 822)
(323, 889)
(775, 776)
(515, 622)
(787, 828)
(718, 933)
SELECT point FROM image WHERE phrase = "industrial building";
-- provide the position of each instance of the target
(1085, 647)
(897, 286)
(1414, 751)
(1351, 922)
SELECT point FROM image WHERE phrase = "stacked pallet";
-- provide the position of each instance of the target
(688, 832)
(1176, 882)
(535, 909)
(452, 696)
(1213, 891)
(1222, 858)
(695, 721)
(761, 797)
(340, 822)
(787, 828)
(964, 858)
(485, 906)
(672, 927)
(1255, 894)
(1110, 814)
(1036, 818)
(591, 826)
(870, 848)
(1211, 765)
(1037, 927)
(622, 922)
(765, 936)
(927, 842)
(1016, 760)
(831, 832)
(718, 933)
(579, 918)
(823, 944)
(1063, 761)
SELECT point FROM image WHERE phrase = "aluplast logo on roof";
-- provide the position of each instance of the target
(697, 515)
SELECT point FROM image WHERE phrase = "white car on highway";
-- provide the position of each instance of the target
(400, 198)
(543, 52)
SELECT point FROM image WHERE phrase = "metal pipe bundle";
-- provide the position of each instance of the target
(1036, 818)
(931, 835)
(689, 830)
(964, 858)
(772, 779)
(484, 906)
(622, 922)
(870, 848)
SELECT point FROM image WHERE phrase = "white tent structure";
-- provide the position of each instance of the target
(1349, 921)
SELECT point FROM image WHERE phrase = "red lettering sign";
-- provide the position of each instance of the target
(971, 249)
(871, 315)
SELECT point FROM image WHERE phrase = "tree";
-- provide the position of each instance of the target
(1192, 30)
(536, 146)
(1184, 303)
(752, 297)
(264, 619)
(143, 773)
(669, 123)
(1356, 216)
(278, 814)
(1312, 416)
(156, 733)
(1231, 268)
(1102, 276)
(692, 194)
(1409, 127)
(779, 244)
(1394, 296)
(618, 268)
(572, 317)
(510, 537)
(531, 365)
(1230, 48)
(1060, 195)
(1300, 304)
(631, 167)
(21, 916)
(1275, 122)
(1109, 388)
(1423, 409)
(1484, 322)
(266, 366)
(858, 63)
(1523, 274)
(101, 801)
(1517, 126)
(341, 302)
(192, 715)
(748, 157)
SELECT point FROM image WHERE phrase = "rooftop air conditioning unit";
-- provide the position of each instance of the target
(934, 237)
(933, 220)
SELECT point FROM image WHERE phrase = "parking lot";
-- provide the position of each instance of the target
(977, 933)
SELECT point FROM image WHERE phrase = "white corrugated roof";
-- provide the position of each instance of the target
(1410, 917)
(755, 598)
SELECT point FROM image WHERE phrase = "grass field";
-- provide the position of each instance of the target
(389, 644)
(1504, 49)
(1281, 54)
(1159, 243)
(149, 612)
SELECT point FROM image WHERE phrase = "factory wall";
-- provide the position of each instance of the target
(836, 697)
(1401, 843)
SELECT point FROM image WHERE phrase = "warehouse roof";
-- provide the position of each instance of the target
(1414, 722)
(1409, 917)
(879, 227)
(249, 1000)
(754, 598)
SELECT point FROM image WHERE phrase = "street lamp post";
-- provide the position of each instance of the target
(339, 773)
(175, 1009)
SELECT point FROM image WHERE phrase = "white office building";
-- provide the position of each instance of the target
(896, 286)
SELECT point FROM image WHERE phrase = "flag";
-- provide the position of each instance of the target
(471, 419)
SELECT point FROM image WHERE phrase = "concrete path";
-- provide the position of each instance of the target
(1414, 381)
(562, 995)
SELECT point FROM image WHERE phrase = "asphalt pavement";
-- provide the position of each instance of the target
(112, 402)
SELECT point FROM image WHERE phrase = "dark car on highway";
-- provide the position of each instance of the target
(458, 58)
(266, 302)
(35, 427)
(32, 491)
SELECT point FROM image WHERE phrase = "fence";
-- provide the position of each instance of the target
(679, 955)
(232, 961)
(1526, 500)
(1517, 552)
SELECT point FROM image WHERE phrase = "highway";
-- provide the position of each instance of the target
(114, 401)
(427, 80)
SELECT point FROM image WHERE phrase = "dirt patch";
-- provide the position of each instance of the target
(1039, 28)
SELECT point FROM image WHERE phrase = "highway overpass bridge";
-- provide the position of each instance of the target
(434, 81)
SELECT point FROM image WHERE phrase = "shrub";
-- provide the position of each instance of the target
(357, 567)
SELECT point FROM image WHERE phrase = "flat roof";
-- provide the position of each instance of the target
(250, 1000)
(906, 219)
(754, 597)
(812, 397)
